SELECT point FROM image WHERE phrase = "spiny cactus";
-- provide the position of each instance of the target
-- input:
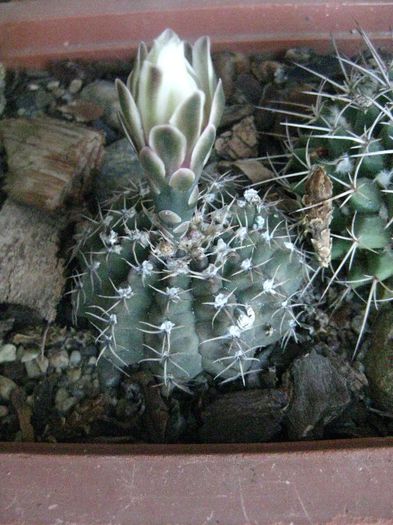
(184, 279)
(344, 148)
(205, 302)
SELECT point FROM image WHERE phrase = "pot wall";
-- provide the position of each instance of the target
(303, 483)
(35, 31)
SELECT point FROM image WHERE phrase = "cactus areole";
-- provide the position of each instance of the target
(182, 277)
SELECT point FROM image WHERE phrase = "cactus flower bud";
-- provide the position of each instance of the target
(170, 109)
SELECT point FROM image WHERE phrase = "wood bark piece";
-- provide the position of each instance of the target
(244, 416)
(31, 274)
(50, 161)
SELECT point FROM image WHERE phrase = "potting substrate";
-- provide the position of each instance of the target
(331, 377)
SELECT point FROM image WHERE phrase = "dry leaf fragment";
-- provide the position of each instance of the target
(318, 213)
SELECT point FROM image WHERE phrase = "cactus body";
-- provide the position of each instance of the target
(204, 303)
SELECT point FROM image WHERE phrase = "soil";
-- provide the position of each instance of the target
(51, 388)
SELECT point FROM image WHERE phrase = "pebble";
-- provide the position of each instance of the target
(33, 103)
(43, 363)
(3, 411)
(104, 94)
(109, 376)
(52, 85)
(92, 361)
(61, 396)
(32, 369)
(59, 92)
(7, 353)
(75, 358)
(82, 110)
(75, 86)
(6, 387)
(30, 400)
(240, 142)
(119, 164)
(30, 354)
(378, 361)
(67, 404)
(74, 374)
(59, 359)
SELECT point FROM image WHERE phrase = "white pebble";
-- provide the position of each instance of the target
(75, 358)
(32, 369)
(30, 400)
(75, 85)
(6, 387)
(30, 355)
(92, 361)
(7, 353)
(53, 84)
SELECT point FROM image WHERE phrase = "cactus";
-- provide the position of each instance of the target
(348, 140)
(185, 288)
(205, 302)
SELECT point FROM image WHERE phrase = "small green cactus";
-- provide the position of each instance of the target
(349, 136)
(184, 287)
(206, 302)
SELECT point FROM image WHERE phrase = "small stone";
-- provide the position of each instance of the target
(92, 361)
(6, 387)
(82, 110)
(104, 94)
(299, 55)
(30, 354)
(75, 85)
(52, 85)
(33, 87)
(33, 103)
(75, 358)
(267, 70)
(30, 400)
(7, 353)
(61, 396)
(321, 390)
(59, 92)
(109, 376)
(65, 405)
(43, 363)
(228, 65)
(379, 361)
(120, 163)
(249, 87)
(32, 369)
(3, 411)
(234, 113)
(59, 359)
(74, 374)
(240, 142)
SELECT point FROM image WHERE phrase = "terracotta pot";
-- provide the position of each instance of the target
(33, 31)
(320, 482)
